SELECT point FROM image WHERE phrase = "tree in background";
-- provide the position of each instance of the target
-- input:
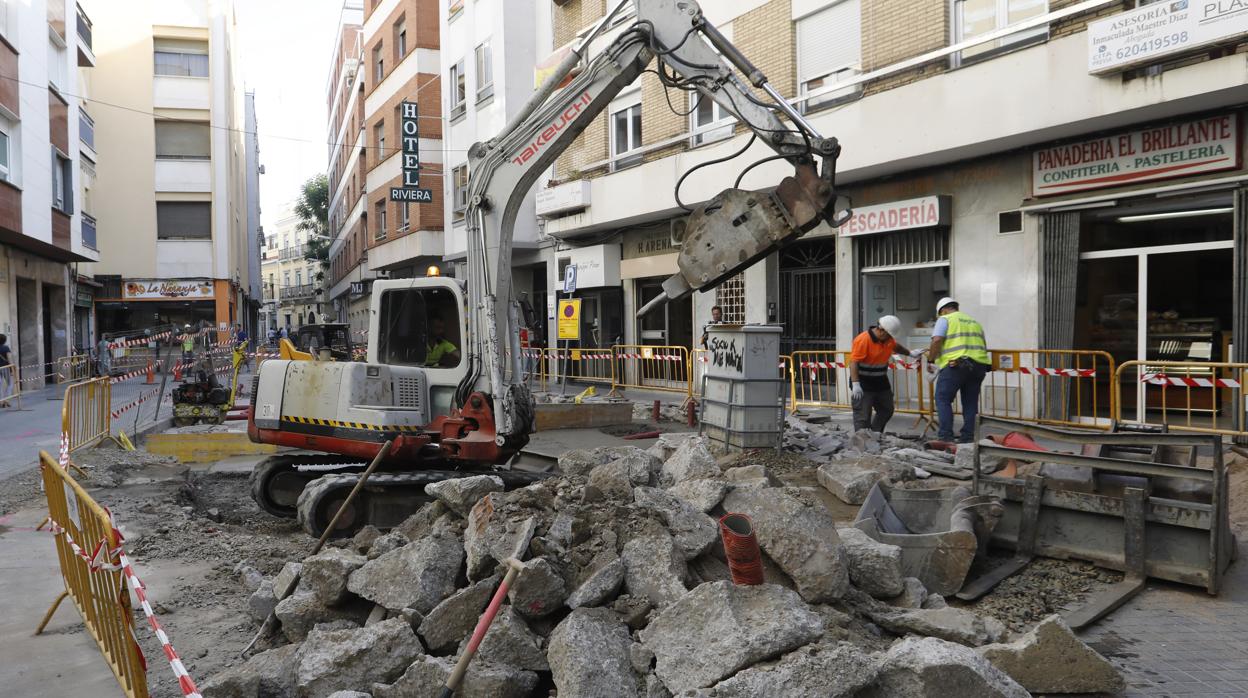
(312, 208)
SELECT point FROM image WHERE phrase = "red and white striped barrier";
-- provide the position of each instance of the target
(135, 402)
(652, 357)
(141, 341)
(64, 459)
(101, 558)
(1067, 372)
(134, 374)
(1188, 381)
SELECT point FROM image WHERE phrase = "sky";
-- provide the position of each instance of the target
(287, 47)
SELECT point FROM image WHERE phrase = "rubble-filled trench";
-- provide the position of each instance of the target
(625, 590)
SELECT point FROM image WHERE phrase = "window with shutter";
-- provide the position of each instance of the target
(180, 140)
(829, 50)
(183, 220)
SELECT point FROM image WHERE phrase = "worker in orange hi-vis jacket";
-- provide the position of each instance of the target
(870, 391)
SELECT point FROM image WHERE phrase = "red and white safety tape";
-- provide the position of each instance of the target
(1068, 372)
(140, 341)
(135, 402)
(134, 374)
(654, 357)
(1188, 381)
(101, 558)
(64, 459)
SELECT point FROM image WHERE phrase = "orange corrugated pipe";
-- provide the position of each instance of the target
(745, 562)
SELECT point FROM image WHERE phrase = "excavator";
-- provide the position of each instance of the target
(442, 379)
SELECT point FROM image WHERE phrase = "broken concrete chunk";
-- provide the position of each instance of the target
(388, 543)
(325, 574)
(865, 441)
(491, 538)
(262, 601)
(248, 576)
(421, 523)
(350, 694)
(633, 610)
(952, 624)
(616, 479)
(668, 442)
(838, 670)
(600, 587)
(364, 539)
(338, 660)
(418, 575)
(720, 628)
(270, 673)
(874, 567)
(538, 590)
(569, 529)
(302, 611)
(692, 460)
(703, 495)
(461, 493)
(641, 657)
(427, 676)
(1050, 659)
(926, 667)
(800, 539)
(452, 620)
(847, 481)
(580, 462)
(693, 531)
(286, 579)
(510, 642)
(913, 595)
(654, 567)
(589, 655)
(934, 601)
(749, 476)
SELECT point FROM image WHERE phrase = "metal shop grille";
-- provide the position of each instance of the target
(730, 297)
(903, 248)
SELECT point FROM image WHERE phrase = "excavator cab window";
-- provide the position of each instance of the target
(420, 327)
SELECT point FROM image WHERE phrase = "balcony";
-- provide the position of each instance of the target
(86, 54)
(88, 231)
(303, 292)
(183, 175)
(294, 252)
(86, 129)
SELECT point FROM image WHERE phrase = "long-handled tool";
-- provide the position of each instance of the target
(270, 621)
(514, 567)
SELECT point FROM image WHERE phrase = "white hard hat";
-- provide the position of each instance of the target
(943, 302)
(891, 324)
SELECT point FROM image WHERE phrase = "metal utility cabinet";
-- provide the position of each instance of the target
(742, 388)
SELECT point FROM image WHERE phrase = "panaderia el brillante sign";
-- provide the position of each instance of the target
(1180, 149)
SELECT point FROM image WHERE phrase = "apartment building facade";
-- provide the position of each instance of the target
(389, 59)
(292, 289)
(172, 192)
(1043, 162)
(489, 51)
(45, 163)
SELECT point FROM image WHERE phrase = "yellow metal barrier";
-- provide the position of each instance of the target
(819, 379)
(651, 367)
(1196, 396)
(86, 416)
(10, 385)
(1058, 387)
(99, 594)
(589, 365)
(71, 369)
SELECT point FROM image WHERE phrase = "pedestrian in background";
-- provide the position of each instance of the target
(960, 351)
(717, 314)
(869, 356)
(6, 375)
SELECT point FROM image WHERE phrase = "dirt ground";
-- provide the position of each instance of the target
(189, 531)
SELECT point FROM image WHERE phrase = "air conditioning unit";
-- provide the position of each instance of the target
(678, 229)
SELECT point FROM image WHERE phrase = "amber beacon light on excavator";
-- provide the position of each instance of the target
(442, 376)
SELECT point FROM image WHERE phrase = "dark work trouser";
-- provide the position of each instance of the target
(879, 401)
(964, 379)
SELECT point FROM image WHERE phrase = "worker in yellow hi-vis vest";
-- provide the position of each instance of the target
(960, 352)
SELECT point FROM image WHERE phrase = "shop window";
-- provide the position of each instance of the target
(903, 248)
(626, 136)
(829, 51)
(423, 328)
(972, 18)
(182, 140)
(730, 297)
(183, 220)
(179, 58)
(709, 121)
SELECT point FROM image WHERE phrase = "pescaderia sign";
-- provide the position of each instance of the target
(1157, 30)
(924, 212)
(1161, 152)
(156, 289)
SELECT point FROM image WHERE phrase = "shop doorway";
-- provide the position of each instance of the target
(808, 296)
(670, 326)
(903, 274)
(1156, 283)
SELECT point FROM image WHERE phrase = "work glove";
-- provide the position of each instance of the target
(916, 353)
(855, 392)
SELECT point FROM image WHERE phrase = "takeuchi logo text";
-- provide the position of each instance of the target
(548, 134)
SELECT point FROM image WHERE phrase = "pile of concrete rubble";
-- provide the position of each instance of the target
(625, 592)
